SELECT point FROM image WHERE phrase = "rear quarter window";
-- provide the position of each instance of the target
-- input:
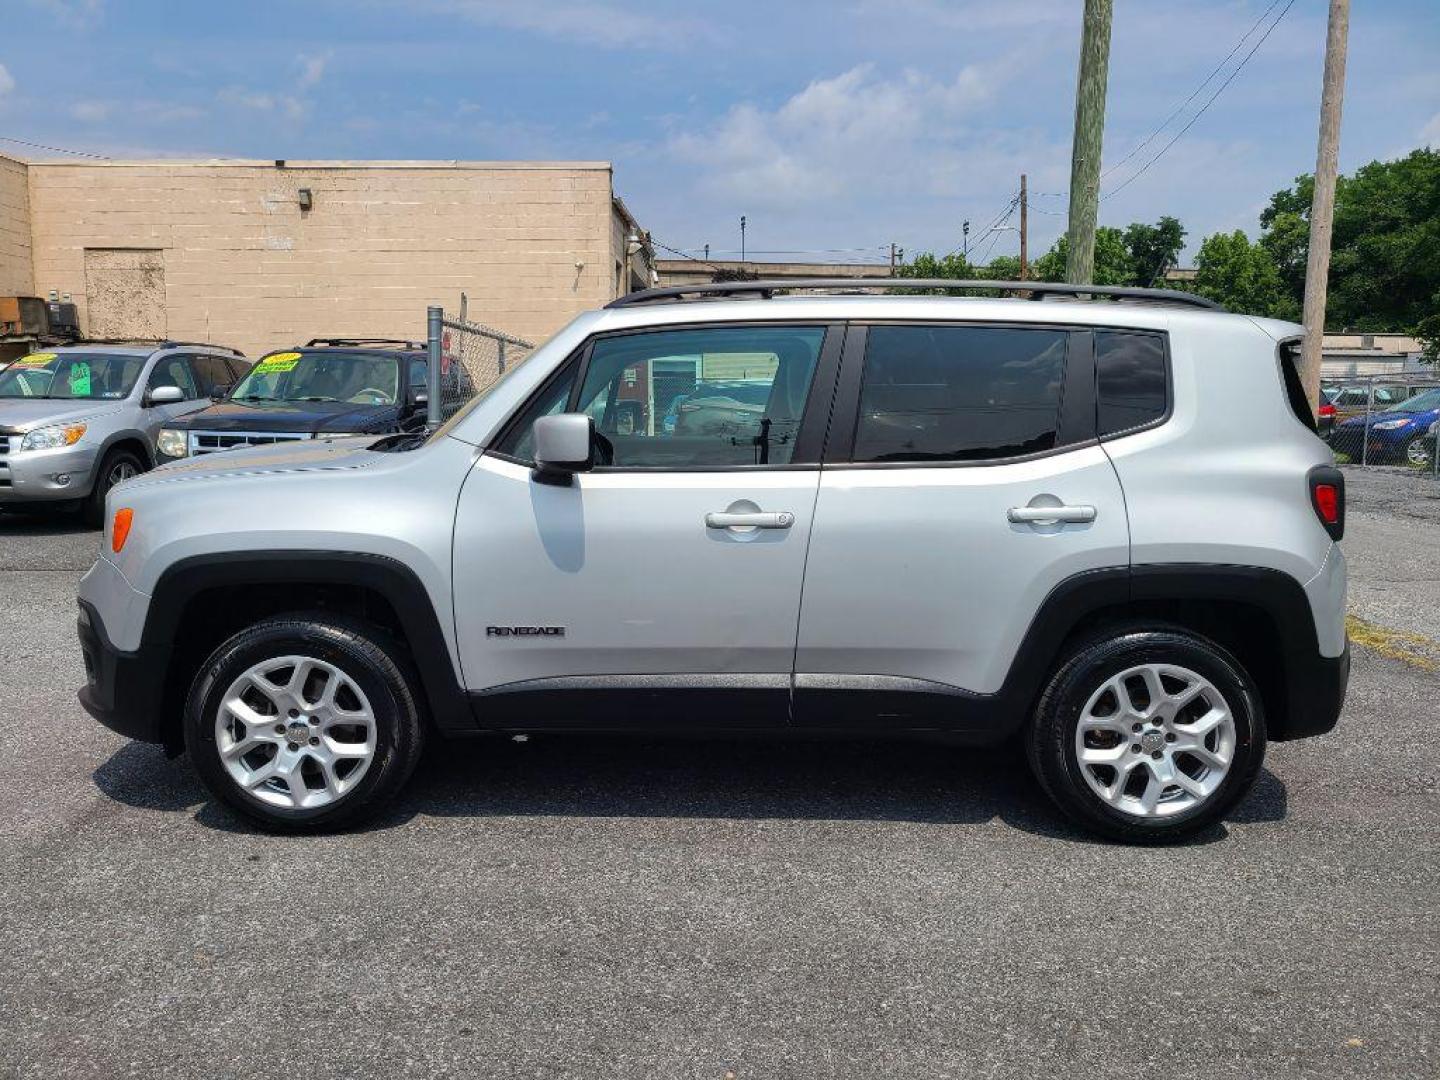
(1294, 388)
(1132, 381)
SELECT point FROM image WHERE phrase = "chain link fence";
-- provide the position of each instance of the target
(1383, 420)
(465, 359)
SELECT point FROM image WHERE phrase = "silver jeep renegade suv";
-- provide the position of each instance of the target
(976, 518)
(77, 420)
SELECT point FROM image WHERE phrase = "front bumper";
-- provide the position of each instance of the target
(122, 689)
(45, 475)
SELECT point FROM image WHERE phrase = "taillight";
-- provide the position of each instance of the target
(1327, 498)
(1327, 410)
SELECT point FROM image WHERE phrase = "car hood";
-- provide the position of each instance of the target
(26, 414)
(307, 416)
(324, 455)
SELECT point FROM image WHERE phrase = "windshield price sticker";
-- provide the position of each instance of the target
(282, 361)
(36, 359)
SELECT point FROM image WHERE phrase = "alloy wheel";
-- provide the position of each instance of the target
(122, 470)
(1418, 454)
(295, 732)
(1155, 740)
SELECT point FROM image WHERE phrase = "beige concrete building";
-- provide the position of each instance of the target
(259, 254)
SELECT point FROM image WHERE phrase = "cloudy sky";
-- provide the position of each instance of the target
(836, 127)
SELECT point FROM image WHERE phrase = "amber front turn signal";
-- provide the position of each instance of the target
(120, 528)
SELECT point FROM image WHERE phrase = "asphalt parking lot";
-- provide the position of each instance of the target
(675, 909)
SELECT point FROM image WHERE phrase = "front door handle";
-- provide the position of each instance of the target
(1050, 515)
(779, 520)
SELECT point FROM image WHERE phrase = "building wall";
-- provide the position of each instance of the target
(239, 263)
(15, 261)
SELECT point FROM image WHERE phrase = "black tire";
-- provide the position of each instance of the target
(376, 664)
(94, 505)
(1050, 737)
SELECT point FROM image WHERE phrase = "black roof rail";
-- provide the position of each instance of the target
(1037, 290)
(156, 343)
(359, 342)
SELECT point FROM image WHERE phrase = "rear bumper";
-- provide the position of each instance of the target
(1316, 696)
(122, 689)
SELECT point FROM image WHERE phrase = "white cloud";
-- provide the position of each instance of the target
(7, 81)
(75, 14)
(312, 68)
(1430, 133)
(838, 136)
(294, 102)
(91, 112)
(588, 21)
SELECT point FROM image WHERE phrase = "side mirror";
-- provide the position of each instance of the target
(218, 393)
(564, 444)
(166, 395)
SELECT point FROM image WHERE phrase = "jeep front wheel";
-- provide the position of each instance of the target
(304, 723)
(1150, 735)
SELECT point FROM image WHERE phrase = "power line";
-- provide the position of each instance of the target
(1194, 93)
(998, 229)
(1183, 105)
(1004, 213)
(1210, 101)
(52, 149)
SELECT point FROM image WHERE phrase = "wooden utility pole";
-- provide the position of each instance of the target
(1024, 230)
(1089, 139)
(1322, 206)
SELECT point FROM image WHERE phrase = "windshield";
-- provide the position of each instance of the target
(77, 375)
(1430, 399)
(329, 375)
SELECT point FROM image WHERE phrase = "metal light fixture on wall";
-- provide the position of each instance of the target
(307, 200)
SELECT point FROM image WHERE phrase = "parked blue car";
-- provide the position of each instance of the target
(1400, 433)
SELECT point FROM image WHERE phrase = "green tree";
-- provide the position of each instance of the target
(1241, 275)
(1153, 249)
(1113, 263)
(1385, 248)
(928, 265)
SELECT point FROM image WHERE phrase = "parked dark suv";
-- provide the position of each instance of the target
(330, 387)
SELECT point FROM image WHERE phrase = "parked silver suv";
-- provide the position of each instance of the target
(77, 420)
(977, 518)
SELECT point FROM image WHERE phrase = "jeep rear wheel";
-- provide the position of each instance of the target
(304, 723)
(1148, 736)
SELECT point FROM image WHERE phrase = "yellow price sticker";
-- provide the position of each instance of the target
(280, 361)
(36, 359)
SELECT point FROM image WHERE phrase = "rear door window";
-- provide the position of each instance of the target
(959, 393)
(212, 372)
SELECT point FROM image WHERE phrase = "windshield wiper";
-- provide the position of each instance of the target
(315, 399)
(254, 397)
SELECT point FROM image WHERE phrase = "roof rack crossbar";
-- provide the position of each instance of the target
(1037, 290)
(357, 341)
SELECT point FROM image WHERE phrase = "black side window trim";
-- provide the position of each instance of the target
(1164, 417)
(1078, 405)
(815, 420)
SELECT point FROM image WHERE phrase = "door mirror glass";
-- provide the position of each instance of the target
(564, 443)
(166, 395)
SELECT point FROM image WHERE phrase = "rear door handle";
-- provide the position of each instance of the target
(1050, 515)
(780, 520)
